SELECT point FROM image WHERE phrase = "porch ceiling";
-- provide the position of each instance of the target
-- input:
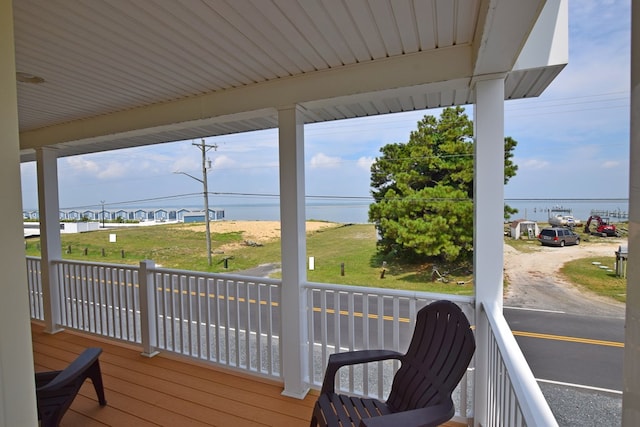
(119, 73)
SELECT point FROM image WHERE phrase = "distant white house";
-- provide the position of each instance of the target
(32, 229)
(79, 227)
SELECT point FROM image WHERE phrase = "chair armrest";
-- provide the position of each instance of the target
(338, 360)
(71, 372)
(431, 416)
(43, 378)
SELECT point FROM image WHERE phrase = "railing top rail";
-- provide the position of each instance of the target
(534, 406)
(461, 299)
(100, 264)
(223, 276)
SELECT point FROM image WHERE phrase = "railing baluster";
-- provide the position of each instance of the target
(365, 341)
(218, 283)
(381, 343)
(351, 336)
(258, 324)
(236, 288)
(209, 319)
(200, 321)
(251, 357)
(64, 291)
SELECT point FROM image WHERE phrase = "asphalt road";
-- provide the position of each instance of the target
(577, 360)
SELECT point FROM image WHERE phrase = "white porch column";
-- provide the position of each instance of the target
(48, 208)
(488, 219)
(17, 387)
(294, 335)
(631, 365)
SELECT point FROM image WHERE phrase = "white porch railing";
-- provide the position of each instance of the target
(234, 321)
(230, 320)
(101, 299)
(514, 397)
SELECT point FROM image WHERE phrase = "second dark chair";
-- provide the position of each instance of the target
(55, 390)
(438, 356)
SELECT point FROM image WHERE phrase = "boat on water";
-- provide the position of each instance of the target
(562, 217)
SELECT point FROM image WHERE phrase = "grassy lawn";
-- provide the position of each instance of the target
(584, 272)
(355, 246)
(179, 246)
(172, 246)
(345, 254)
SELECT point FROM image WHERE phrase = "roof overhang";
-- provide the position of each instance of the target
(119, 74)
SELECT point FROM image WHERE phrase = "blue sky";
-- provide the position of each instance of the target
(572, 141)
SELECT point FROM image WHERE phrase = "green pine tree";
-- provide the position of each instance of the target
(423, 189)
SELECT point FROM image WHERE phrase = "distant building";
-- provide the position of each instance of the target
(198, 216)
(157, 214)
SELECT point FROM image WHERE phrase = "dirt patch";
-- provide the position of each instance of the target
(535, 281)
(257, 232)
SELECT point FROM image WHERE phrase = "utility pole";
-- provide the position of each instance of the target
(102, 202)
(204, 148)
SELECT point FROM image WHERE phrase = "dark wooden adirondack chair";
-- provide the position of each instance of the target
(55, 390)
(440, 351)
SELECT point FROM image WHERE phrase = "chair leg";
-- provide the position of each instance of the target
(314, 417)
(96, 378)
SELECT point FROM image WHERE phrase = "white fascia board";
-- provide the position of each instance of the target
(503, 30)
(548, 43)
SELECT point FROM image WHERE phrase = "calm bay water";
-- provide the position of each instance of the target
(356, 213)
(535, 210)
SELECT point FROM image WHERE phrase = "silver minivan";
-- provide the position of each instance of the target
(558, 236)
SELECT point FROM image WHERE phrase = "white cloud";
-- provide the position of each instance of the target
(113, 170)
(322, 161)
(223, 162)
(81, 165)
(610, 164)
(532, 164)
(365, 163)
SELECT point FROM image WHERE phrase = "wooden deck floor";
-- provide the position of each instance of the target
(166, 390)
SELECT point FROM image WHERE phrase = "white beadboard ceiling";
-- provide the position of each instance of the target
(122, 73)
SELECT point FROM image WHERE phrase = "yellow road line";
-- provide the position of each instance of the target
(202, 294)
(370, 316)
(568, 339)
(406, 320)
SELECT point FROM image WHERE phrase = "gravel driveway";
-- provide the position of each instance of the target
(534, 280)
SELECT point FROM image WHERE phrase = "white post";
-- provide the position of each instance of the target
(488, 221)
(51, 246)
(148, 317)
(17, 388)
(631, 365)
(293, 337)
